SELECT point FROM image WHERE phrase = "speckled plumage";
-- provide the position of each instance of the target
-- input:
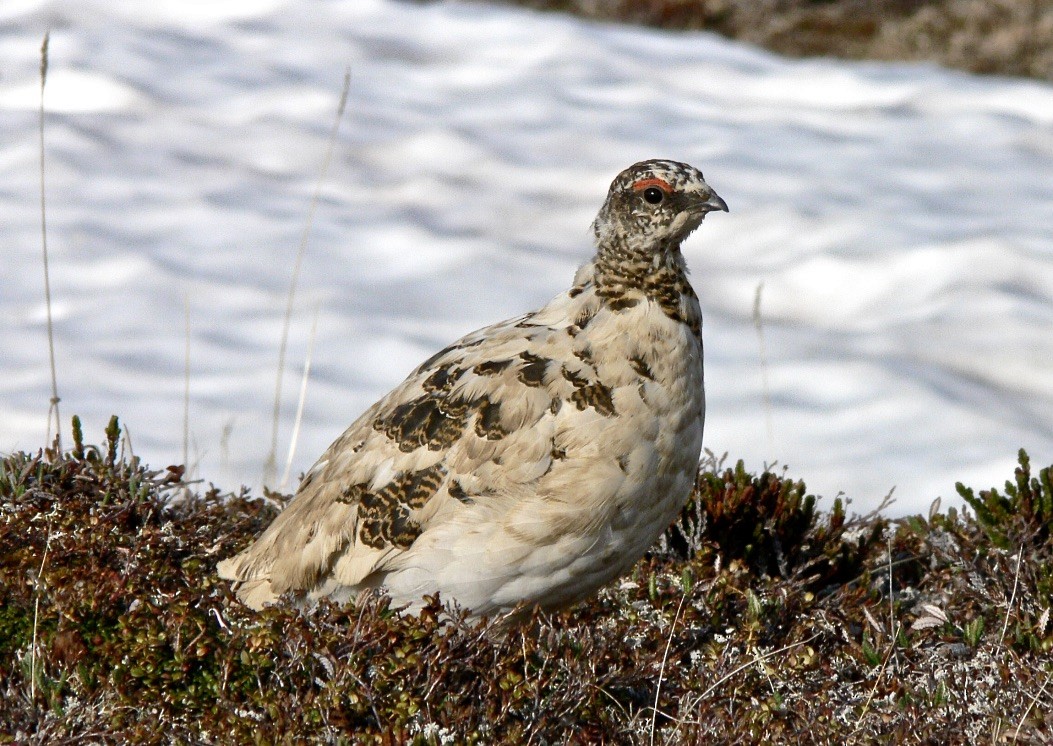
(531, 461)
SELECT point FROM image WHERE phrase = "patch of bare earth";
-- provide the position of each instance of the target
(1005, 37)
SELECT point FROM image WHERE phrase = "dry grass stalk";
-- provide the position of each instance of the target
(53, 407)
(295, 437)
(270, 467)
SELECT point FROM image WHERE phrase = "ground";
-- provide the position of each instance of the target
(1005, 37)
(758, 617)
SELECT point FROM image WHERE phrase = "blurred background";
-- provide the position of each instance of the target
(878, 302)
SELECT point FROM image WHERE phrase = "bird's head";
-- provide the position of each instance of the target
(654, 203)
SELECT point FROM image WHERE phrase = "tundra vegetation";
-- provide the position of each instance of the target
(763, 614)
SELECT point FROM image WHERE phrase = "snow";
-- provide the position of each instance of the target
(898, 217)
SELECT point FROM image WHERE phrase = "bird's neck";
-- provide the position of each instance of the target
(622, 273)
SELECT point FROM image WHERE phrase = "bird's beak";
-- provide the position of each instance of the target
(715, 202)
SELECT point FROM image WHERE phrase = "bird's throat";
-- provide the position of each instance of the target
(625, 275)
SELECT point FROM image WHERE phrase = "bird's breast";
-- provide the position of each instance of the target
(628, 458)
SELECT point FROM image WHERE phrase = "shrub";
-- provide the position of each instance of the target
(770, 522)
(1023, 516)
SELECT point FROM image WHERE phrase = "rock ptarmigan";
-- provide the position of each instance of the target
(531, 461)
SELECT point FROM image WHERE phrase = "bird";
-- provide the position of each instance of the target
(529, 463)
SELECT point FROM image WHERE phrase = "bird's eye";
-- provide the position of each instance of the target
(653, 195)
